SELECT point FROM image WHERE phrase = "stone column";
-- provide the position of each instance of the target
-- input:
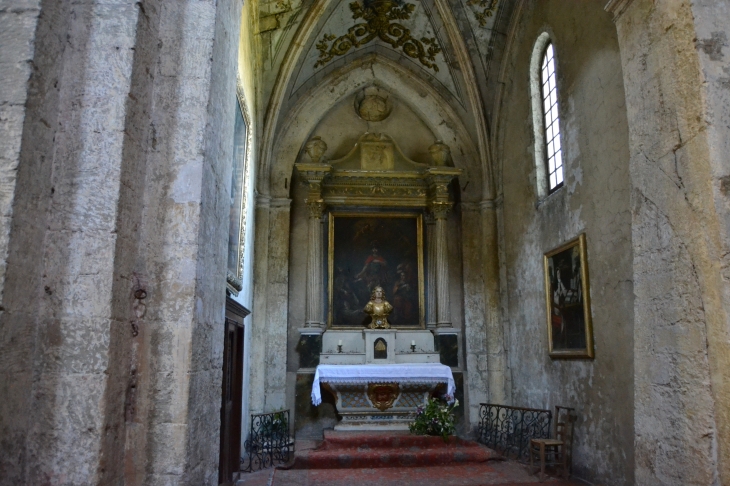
(443, 305)
(439, 205)
(313, 174)
(431, 273)
(314, 318)
(310, 342)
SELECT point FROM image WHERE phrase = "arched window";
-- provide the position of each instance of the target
(546, 120)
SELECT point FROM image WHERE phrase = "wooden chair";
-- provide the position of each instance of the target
(555, 451)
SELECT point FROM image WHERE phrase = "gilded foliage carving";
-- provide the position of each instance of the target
(380, 22)
(483, 9)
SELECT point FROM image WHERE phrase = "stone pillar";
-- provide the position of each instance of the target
(267, 382)
(112, 323)
(431, 317)
(277, 313)
(476, 380)
(673, 56)
(64, 345)
(496, 353)
(314, 317)
(257, 341)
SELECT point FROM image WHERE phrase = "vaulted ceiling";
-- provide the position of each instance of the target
(437, 56)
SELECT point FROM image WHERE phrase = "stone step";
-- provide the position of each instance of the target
(380, 439)
(341, 450)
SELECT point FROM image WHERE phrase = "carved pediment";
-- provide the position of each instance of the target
(376, 173)
(376, 152)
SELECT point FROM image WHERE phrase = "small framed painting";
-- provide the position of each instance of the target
(570, 327)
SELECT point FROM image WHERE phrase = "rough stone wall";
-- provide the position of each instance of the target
(124, 168)
(675, 67)
(594, 200)
(18, 21)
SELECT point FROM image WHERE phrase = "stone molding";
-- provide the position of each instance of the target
(263, 201)
(617, 7)
(280, 203)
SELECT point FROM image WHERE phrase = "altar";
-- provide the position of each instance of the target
(381, 397)
(378, 331)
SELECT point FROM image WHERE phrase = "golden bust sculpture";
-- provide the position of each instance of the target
(378, 308)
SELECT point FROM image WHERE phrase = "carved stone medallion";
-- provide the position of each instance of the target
(383, 395)
(373, 105)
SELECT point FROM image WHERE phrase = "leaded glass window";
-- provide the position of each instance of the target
(554, 152)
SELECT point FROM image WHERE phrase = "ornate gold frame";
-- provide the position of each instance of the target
(234, 282)
(588, 352)
(331, 258)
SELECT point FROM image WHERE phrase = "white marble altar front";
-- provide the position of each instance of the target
(381, 397)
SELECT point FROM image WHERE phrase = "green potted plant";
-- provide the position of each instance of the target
(436, 418)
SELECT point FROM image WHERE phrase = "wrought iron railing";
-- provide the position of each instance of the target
(508, 430)
(268, 443)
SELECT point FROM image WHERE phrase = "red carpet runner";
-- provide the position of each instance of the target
(351, 450)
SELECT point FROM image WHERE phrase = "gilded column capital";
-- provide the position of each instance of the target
(440, 209)
(439, 197)
(316, 208)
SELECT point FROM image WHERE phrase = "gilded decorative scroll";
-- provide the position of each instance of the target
(380, 18)
(483, 9)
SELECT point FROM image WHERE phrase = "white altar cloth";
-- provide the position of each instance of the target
(417, 373)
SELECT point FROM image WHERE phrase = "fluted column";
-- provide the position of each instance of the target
(443, 302)
(313, 174)
(431, 317)
(439, 204)
(314, 265)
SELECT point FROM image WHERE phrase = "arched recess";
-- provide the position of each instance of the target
(276, 114)
(418, 95)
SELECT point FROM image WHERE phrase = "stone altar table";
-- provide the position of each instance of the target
(381, 397)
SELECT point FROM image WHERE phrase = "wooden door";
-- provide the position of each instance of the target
(232, 393)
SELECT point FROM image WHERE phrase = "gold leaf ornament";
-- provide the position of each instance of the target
(488, 7)
(380, 18)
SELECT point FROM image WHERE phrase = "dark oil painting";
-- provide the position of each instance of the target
(569, 322)
(367, 251)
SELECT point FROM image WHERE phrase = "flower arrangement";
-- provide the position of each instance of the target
(436, 418)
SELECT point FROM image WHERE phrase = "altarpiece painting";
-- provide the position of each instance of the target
(375, 250)
(570, 329)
